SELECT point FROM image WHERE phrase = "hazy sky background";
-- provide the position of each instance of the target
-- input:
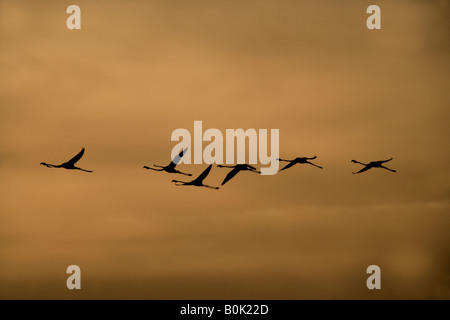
(137, 70)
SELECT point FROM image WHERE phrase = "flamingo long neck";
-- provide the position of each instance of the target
(53, 165)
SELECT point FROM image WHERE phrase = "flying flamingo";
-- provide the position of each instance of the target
(69, 164)
(171, 166)
(299, 160)
(373, 164)
(198, 182)
(236, 169)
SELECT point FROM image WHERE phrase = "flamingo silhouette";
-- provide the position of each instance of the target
(198, 182)
(236, 169)
(69, 164)
(373, 164)
(171, 166)
(299, 160)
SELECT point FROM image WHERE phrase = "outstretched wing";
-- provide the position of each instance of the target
(203, 175)
(230, 175)
(289, 165)
(364, 169)
(178, 158)
(76, 158)
(383, 161)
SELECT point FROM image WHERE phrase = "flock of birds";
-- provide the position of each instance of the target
(198, 182)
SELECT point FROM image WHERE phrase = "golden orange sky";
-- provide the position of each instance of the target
(137, 70)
